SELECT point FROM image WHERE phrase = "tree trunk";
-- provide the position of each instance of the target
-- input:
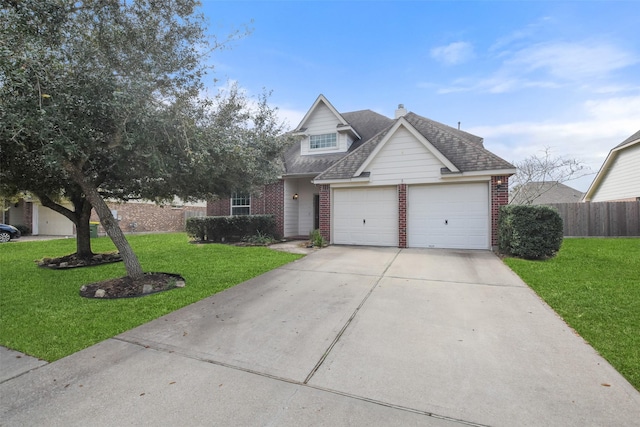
(110, 224)
(79, 216)
(83, 230)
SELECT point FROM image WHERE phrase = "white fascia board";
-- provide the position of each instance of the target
(340, 181)
(349, 129)
(325, 101)
(403, 122)
(604, 170)
(488, 173)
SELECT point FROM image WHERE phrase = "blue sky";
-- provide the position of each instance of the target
(524, 75)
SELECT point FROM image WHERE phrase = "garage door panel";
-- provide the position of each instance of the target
(448, 216)
(365, 216)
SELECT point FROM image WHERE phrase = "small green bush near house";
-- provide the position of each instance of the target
(529, 232)
(230, 228)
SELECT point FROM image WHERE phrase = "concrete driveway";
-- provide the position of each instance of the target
(345, 336)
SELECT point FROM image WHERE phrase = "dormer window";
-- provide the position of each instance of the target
(327, 140)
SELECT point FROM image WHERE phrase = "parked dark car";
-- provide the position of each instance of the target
(8, 232)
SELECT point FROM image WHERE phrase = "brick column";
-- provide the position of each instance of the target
(402, 215)
(325, 211)
(499, 197)
(274, 203)
(27, 218)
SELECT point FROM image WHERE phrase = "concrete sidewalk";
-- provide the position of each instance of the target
(344, 336)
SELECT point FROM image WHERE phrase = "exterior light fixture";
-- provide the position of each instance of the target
(295, 196)
(499, 184)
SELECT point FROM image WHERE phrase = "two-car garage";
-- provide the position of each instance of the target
(437, 216)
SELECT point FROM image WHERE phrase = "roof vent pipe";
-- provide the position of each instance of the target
(401, 111)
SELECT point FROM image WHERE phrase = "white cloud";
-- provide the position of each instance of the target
(290, 117)
(588, 64)
(602, 125)
(571, 61)
(453, 53)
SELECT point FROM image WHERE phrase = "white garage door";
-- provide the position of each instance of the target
(448, 216)
(365, 216)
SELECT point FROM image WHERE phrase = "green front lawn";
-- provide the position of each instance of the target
(42, 314)
(594, 284)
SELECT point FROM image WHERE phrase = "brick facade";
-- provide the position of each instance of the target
(402, 215)
(268, 201)
(325, 212)
(499, 197)
(149, 217)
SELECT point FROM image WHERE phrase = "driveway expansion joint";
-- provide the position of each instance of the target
(346, 325)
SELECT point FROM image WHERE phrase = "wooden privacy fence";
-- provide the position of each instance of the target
(608, 219)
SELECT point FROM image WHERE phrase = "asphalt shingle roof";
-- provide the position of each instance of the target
(464, 150)
(628, 140)
(542, 193)
(366, 122)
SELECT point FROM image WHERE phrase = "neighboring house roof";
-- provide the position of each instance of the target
(542, 193)
(465, 151)
(627, 176)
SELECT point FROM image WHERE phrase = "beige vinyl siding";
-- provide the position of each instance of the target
(305, 206)
(404, 159)
(623, 178)
(290, 207)
(323, 121)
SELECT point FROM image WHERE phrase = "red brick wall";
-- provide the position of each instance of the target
(325, 211)
(149, 217)
(220, 207)
(268, 201)
(402, 215)
(273, 203)
(499, 197)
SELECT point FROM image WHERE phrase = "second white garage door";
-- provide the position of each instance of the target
(448, 216)
(365, 216)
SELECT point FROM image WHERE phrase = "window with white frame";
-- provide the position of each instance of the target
(327, 140)
(240, 204)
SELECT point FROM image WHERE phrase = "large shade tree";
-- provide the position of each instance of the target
(101, 98)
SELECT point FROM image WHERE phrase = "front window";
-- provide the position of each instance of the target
(240, 204)
(328, 140)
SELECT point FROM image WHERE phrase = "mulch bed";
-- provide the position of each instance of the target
(72, 261)
(121, 287)
(125, 287)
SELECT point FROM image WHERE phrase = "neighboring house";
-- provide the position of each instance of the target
(618, 180)
(543, 193)
(40, 219)
(136, 216)
(133, 216)
(365, 179)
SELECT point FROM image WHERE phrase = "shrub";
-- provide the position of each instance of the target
(316, 239)
(24, 229)
(230, 228)
(528, 231)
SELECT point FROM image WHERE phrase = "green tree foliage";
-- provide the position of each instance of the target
(101, 99)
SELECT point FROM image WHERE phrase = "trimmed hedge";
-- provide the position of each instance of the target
(230, 228)
(529, 231)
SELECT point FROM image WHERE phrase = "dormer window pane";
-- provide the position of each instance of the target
(328, 140)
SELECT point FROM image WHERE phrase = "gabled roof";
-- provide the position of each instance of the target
(542, 193)
(365, 122)
(465, 151)
(604, 170)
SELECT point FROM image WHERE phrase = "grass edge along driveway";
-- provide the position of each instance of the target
(594, 285)
(43, 315)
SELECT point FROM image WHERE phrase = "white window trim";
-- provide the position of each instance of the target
(323, 138)
(233, 198)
